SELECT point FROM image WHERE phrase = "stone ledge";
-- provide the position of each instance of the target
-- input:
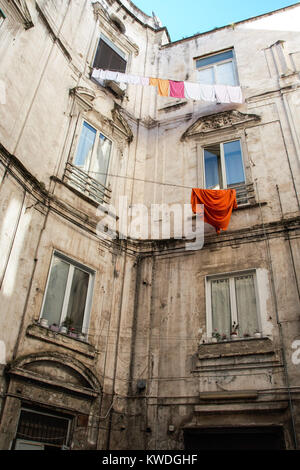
(45, 334)
(229, 395)
(50, 382)
(236, 348)
(241, 407)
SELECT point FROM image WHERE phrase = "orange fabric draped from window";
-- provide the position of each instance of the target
(218, 205)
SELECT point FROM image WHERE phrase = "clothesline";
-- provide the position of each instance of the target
(175, 88)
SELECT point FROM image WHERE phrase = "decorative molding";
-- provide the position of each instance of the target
(84, 96)
(149, 122)
(107, 24)
(46, 335)
(69, 373)
(220, 121)
(121, 124)
(21, 9)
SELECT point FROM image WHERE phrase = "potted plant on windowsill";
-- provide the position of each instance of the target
(81, 336)
(234, 331)
(54, 327)
(66, 325)
(216, 336)
(72, 333)
(44, 322)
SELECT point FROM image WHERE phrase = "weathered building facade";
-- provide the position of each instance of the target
(141, 369)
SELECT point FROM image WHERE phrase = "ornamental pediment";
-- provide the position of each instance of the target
(56, 370)
(220, 121)
(84, 96)
(121, 124)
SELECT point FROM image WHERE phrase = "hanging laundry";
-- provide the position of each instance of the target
(207, 93)
(218, 205)
(111, 75)
(235, 94)
(192, 91)
(133, 79)
(162, 85)
(199, 92)
(177, 89)
(122, 77)
(144, 81)
(222, 94)
(99, 74)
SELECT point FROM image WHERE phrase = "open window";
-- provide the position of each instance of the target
(224, 168)
(88, 171)
(2, 17)
(109, 56)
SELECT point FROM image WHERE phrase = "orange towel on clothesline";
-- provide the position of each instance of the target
(162, 85)
(218, 205)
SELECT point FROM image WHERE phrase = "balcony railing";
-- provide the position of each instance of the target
(244, 193)
(87, 185)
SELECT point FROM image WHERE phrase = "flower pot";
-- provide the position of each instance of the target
(54, 328)
(64, 329)
(257, 335)
(72, 334)
(214, 340)
(233, 336)
(81, 337)
(44, 322)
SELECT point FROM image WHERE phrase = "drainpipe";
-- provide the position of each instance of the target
(116, 351)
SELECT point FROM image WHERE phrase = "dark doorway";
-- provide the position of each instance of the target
(241, 438)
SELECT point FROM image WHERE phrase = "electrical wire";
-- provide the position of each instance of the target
(141, 180)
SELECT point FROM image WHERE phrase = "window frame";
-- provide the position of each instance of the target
(2, 17)
(44, 413)
(123, 55)
(88, 304)
(95, 148)
(223, 163)
(233, 305)
(214, 66)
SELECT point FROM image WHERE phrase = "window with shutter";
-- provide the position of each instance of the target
(109, 56)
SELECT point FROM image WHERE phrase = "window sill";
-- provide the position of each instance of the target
(116, 88)
(236, 347)
(250, 206)
(243, 206)
(58, 338)
(250, 338)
